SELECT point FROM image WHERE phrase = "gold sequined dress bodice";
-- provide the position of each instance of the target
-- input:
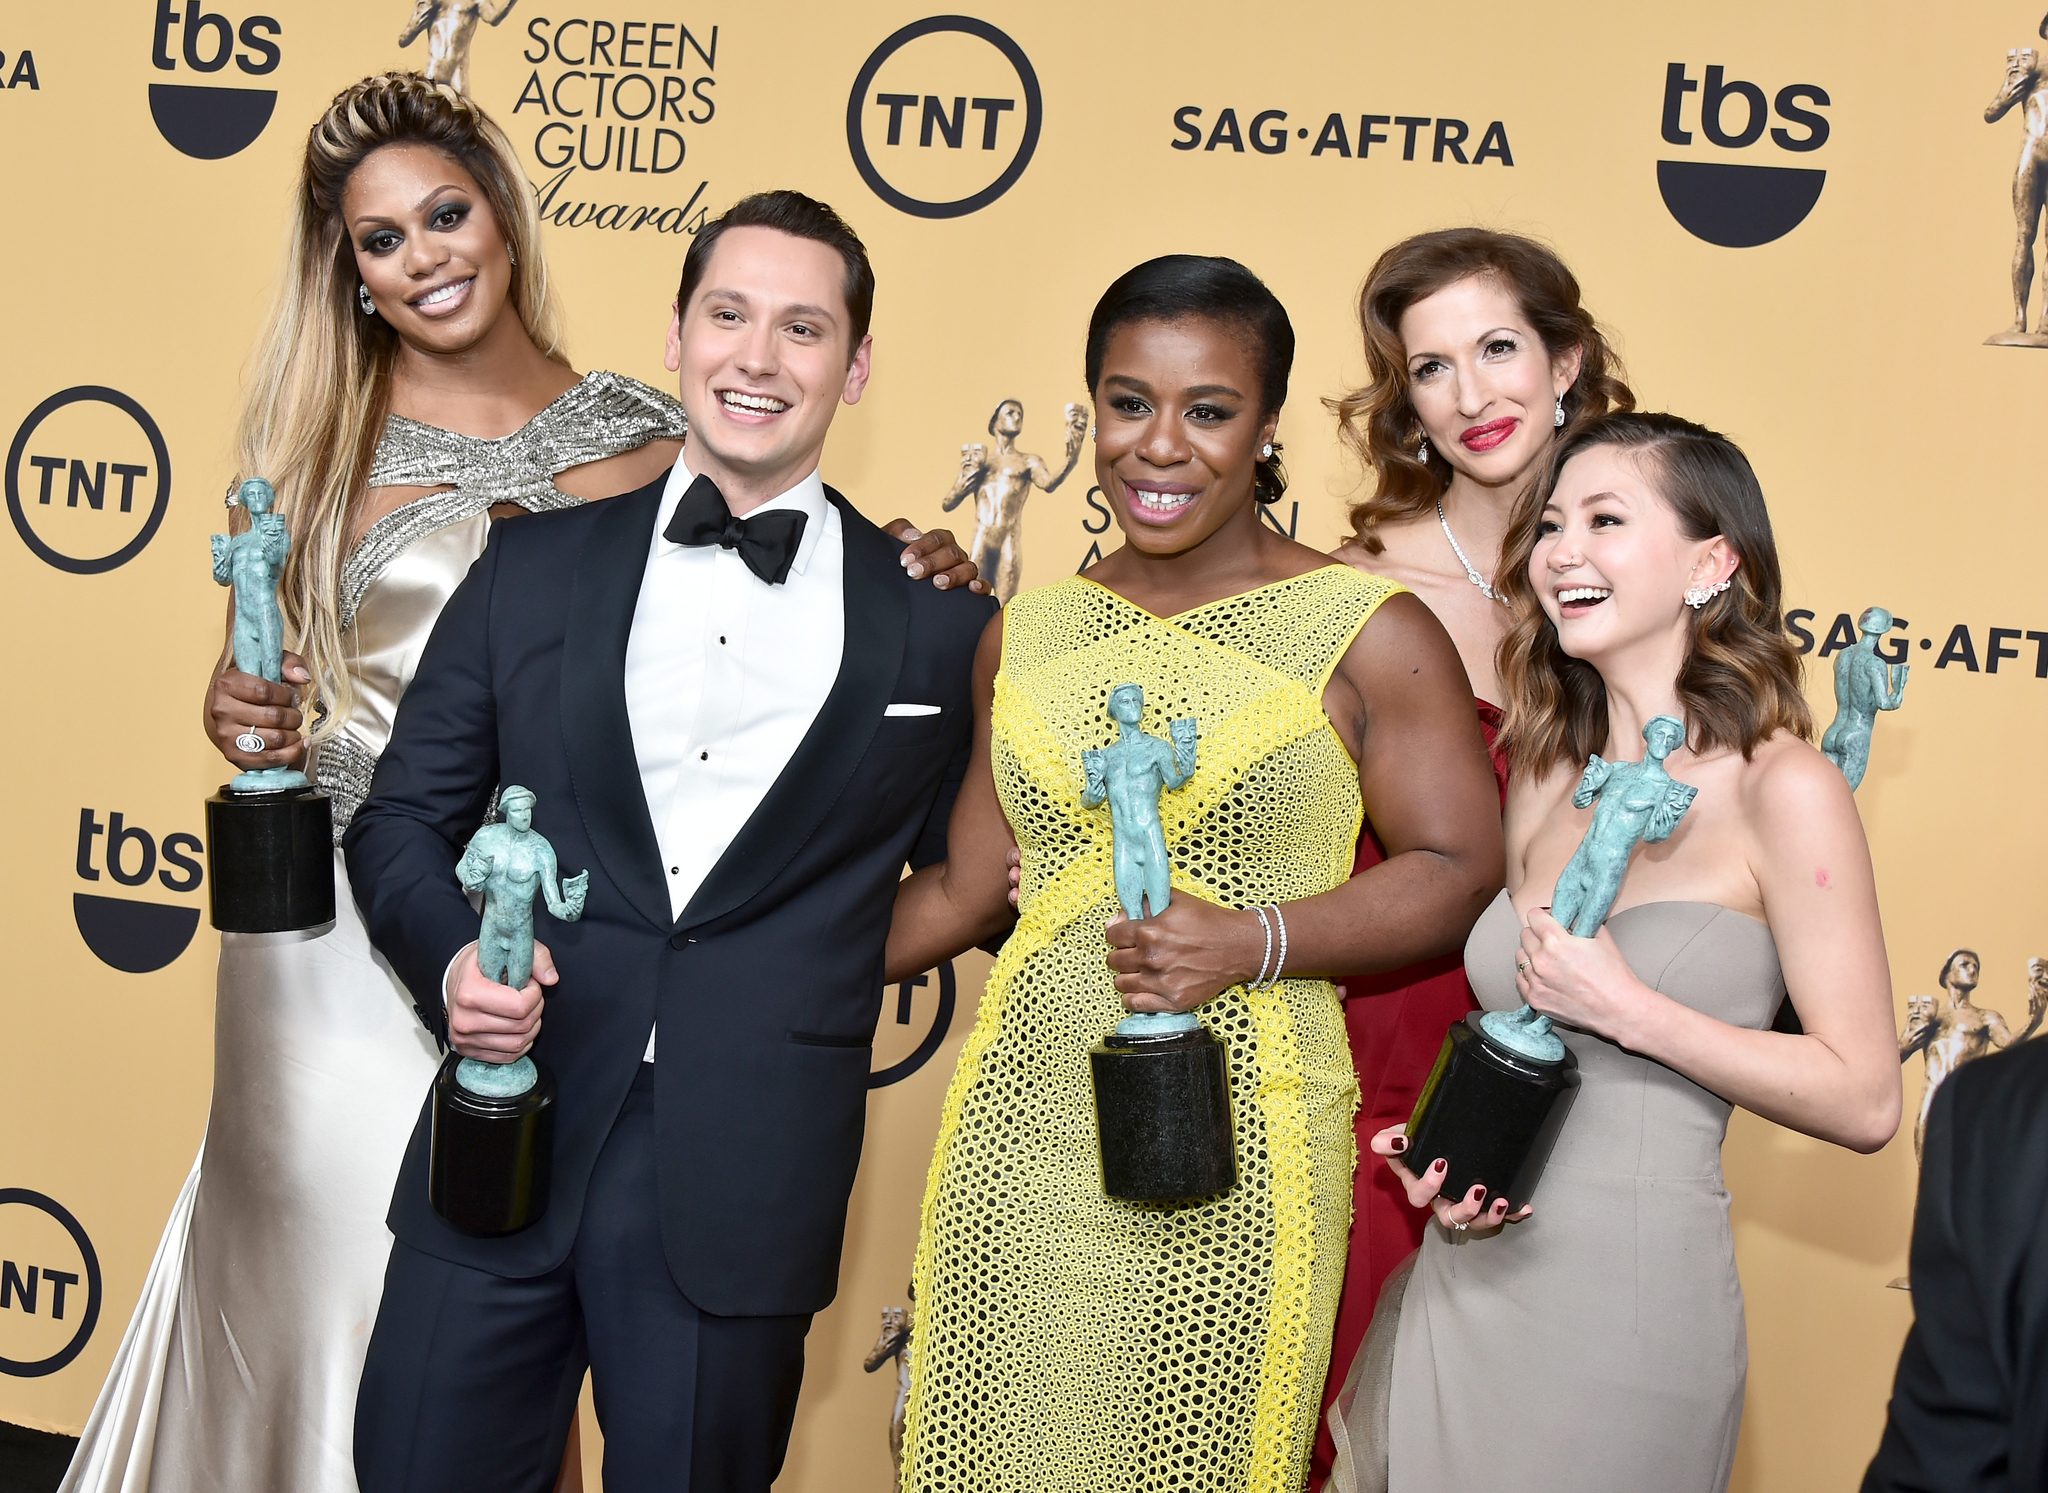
(408, 563)
(1065, 1340)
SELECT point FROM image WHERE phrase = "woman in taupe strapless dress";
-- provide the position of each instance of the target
(1596, 1341)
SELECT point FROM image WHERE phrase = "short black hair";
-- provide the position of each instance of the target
(801, 217)
(1185, 287)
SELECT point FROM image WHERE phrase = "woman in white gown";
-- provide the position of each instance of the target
(410, 387)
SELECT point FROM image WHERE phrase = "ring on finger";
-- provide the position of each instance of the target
(1522, 965)
(250, 741)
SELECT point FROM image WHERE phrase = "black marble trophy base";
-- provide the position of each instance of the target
(1162, 1116)
(1491, 1114)
(491, 1160)
(270, 860)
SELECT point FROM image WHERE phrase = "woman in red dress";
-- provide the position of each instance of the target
(1479, 355)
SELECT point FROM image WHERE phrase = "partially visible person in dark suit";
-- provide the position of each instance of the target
(1969, 1408)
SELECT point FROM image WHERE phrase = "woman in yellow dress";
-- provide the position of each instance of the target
(1067, 1340)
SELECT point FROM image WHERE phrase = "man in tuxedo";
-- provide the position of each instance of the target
(1969, 1410)
(743, 719)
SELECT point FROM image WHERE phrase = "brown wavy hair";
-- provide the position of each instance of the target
(319, 384)
(1740, 680)
(1378, 422)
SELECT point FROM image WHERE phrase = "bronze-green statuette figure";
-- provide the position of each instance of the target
(1131, 775)
(251, 562)
(1864, 684)
(509, 862)
(1162, 1081)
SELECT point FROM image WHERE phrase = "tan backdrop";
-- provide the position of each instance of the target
(145, 226)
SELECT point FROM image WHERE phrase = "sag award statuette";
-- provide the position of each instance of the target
(1162, 1085)
(1504, 1081)
(494, 1123)
(269, 835)
(1865, 683)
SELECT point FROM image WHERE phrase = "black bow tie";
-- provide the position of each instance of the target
(766, 542)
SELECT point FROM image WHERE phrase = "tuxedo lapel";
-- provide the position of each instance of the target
(877, 621)
(597, 733)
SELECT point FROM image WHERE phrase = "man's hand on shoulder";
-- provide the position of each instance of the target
(937, 554)
(490, 1022)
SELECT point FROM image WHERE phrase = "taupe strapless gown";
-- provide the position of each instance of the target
(239, 1369)
(1600, 1345)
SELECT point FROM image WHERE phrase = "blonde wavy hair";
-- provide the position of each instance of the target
(1378, 422)
(319, 385)
(1740, 680)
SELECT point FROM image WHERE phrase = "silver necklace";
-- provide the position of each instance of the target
(1457, 549)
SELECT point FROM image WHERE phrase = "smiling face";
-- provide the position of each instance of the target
(1481, 381)
(1178, 430)
(428, 247)
(764, 359)
(1611, 564)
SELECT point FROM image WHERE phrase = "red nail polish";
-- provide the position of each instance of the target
(1399, 1143)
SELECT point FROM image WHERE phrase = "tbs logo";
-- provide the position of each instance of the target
(1740, 204)
(204, 120)
(130, 934)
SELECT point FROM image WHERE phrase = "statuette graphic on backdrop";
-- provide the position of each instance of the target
(1950, 1029)
(1864, 685)
(450, 27)
(999, 483)
(2025, 79)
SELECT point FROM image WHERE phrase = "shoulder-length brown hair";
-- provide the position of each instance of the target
(1378, 422)
(1740, 680)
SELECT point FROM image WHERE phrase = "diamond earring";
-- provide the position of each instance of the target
(1266, 452)
(1557, 420)
(363, 299)
(513, 258)
(1422, 451)
(1698, 596)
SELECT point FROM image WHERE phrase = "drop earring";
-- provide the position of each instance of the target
(363, 299)
(512, 258)
(1557, 420)
(1422, 451)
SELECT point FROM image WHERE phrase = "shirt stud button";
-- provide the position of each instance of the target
(675, 870)
(703, 756)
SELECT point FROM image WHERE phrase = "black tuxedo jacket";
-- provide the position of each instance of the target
(767, 988)
(1969, 1410)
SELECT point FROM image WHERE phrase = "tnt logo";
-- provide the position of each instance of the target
(130, 934)
(49, 1285)
(88, 480)
(923, 1014)
(205, 120)
(1740, 204)
(944, 116)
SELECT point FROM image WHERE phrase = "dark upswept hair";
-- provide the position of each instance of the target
(800, 217)
(1740, 680)
(1378, 422)
(1196, 287)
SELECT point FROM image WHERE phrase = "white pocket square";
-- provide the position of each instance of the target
(912, 710)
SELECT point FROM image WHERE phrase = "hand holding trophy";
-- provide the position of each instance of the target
(491, 1161)
(1162, 1082)
(269, 834)
(1503, 1082)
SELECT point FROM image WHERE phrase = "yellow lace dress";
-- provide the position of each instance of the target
(1065, 1340)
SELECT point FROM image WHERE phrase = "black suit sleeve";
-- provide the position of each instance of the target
(1967, 1408)
(430, 791)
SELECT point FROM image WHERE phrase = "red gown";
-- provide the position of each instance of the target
(1396, 1022)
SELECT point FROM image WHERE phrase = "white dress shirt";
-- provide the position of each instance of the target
(724, 675)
